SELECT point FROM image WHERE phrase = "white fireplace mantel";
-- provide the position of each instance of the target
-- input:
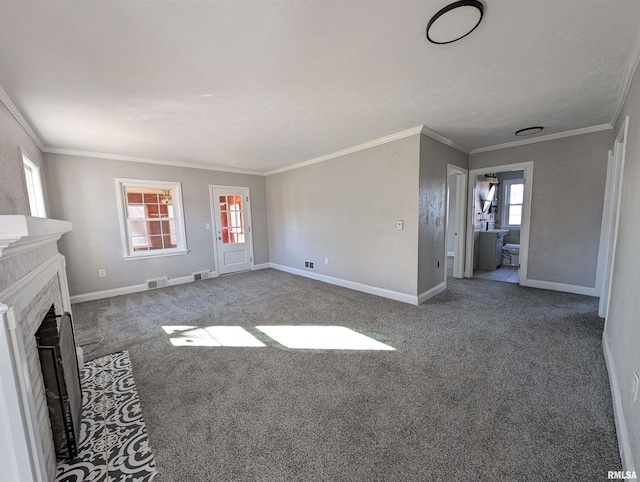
(18, 231)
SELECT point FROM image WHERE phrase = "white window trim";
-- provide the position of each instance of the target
(34, 188)
(506, 188)
(127, 249)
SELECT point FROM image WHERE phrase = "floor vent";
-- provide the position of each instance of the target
(157, 283)
(200, 275)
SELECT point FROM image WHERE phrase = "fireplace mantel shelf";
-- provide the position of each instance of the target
(18, 230)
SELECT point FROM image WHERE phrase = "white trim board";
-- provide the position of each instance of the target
(261, 266)
(145, 160)
(372, 290)
(436, 290)
(376, 142)
(624, 443)
(125, 290)
(549, 137)
(549, 285)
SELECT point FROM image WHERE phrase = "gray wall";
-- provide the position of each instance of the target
(82, 190)
(623, 327)
(432, 197)
(13, 191)
(346, 209)
(566, 209)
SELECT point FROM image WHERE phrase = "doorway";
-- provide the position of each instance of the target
(456, 220)
(231, 215)
(498, 222)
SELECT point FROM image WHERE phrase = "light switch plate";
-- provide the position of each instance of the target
(400, 224)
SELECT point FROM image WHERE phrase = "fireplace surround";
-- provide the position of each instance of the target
(32, 279)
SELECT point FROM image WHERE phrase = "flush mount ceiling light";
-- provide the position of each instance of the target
(455, 21)
(528, 131)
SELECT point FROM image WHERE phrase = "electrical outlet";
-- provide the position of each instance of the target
(207, 226)
(102, 273)
(636, 382)
(400, 224)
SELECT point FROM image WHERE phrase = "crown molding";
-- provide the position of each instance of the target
(350, 150)
(629, 73)
(118, 157)
(376, 142)
(434, 135)
(6, 100)
(549, 137)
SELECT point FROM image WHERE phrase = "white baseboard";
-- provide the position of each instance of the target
(181, 280)
(125, 290)
(372, 290)
(432, 292)
(261, 266)
(621, 425)
(548, 285)
(451, 254)
(98, 295)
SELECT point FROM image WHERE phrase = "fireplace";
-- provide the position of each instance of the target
(32, 279)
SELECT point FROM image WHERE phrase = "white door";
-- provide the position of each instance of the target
(232, 221)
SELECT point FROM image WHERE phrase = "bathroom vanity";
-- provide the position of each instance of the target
(490, 255)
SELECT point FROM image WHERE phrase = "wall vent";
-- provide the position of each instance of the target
(157, 283)
(308, 264)
(200, 275)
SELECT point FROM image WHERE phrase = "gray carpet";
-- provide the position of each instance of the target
(490, 382)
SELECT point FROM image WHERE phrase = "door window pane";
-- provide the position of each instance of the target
(231, 219)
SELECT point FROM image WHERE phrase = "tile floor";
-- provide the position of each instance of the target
(113, 443)
(503, 273)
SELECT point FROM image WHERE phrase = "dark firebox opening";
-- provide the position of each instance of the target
(61, 376)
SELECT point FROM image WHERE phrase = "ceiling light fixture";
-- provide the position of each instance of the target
(529, 131)
(455, 21)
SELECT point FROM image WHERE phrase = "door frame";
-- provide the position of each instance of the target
(611, 219)
(525, 227)
(214, 224)
(461, 212)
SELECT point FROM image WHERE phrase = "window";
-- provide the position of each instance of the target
(232, 219)
(512, 202)
(152, 222)
(34, 187)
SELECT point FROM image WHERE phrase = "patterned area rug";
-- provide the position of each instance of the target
(113, 441)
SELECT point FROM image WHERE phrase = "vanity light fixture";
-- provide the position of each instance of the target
(529, 131)
(455, 21)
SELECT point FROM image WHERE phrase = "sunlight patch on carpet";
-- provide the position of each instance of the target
(322, 338)
(228, 336)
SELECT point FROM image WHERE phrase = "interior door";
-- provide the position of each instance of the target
(232, 220)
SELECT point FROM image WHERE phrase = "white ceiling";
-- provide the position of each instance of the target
(264, 84)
